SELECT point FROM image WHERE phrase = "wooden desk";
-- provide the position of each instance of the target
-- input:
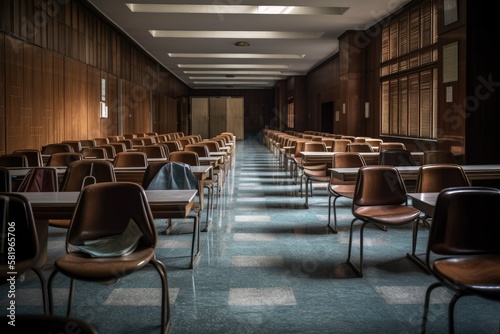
(60, 205)
(424, 202)
(371, 158)
(473, 172)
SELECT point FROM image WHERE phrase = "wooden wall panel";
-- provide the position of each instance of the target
(200, 116)
(234, 120)
(14, 92)
(96, 126)
(56, 128)
(172, 121)
(218, 115)
(76, 102)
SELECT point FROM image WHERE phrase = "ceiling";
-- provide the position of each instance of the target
(195, 39)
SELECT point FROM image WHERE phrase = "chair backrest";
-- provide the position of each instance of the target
(200, 149)
(75, 144)
(439, 157)
(105, 209)
(465, 222)
(34, 157)
(110, 150)
(340, 145)
(173, 145)
(434, 178)
(63, 158)
(130, 159)
(347, 160)
(56, 148)
(40, 179)
(151, 170)
(379, 185)
(374, 142)
(14, 160)
(88, 143)
(314, 146)
(95, 153)
(190, 158)
(391, 146)
(101, 141)
(396, 158)
(350, 138)
(128, 143)
(5, 180)
(172, 175)
(119, 147)
(81, 173)
(154, 151)
(212, 145)
(359, 147)
(16, 208)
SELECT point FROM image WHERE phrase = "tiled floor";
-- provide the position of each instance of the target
(269, 265)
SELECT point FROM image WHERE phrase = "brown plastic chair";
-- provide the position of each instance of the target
(340, 145)
(391, 146)
(154, 151)
(63, 159)
(119, 147)
(339, 188)
(101, 141)
(374, 143)
(396, 158)
(110, 150)
(5, 180)
(14, 160)
(359, 147)
(173, 145)
(439, 157)
(34, 157)
(380, 199)
(88, 143)
(16, 208)
(75, 144)
(95, 153)
(104, 210)
(81, 173)
(40, 179)
(434, 178)
(128, 143)
(56, 148)
(463, 252)
(313, 171)
(131, 159)
(211, 182)
(191, 158)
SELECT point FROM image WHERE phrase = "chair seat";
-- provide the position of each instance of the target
(476, 272)
(318, 174)
(388, 214)
(82, 266)
(345, 190)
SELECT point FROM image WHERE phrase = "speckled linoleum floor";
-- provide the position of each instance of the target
(268, 265)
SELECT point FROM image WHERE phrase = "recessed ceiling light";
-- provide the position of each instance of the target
(242, 43)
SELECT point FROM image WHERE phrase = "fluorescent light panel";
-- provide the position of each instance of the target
(231, 83)
(237, 55)
(237, 78)
(235, 72)
(220, 9)
(235, 34)
(259, 66)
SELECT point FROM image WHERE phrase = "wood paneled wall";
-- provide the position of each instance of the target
(53, 56)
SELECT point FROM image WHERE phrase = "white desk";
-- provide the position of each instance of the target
(473, 172)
